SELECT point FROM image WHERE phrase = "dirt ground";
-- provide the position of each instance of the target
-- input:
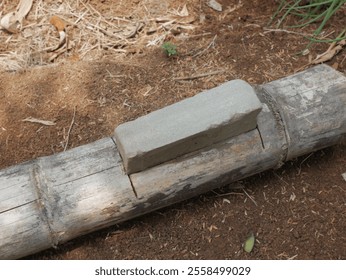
(295, 212)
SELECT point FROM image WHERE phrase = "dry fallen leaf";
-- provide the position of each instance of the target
(12, 21)
(183, 12)
(249, 243)
(60, 26)
(333, 50)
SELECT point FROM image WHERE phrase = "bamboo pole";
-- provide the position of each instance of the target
(50, 200)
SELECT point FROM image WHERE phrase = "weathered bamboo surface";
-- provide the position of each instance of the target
(50, 200)
(53, 199)
(312, 105)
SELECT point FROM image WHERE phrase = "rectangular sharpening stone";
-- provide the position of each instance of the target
(191, 124)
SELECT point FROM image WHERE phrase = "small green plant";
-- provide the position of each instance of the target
(308, 12)
(170, 49)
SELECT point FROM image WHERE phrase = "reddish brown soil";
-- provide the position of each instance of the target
(296, 212)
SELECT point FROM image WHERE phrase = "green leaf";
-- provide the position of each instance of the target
(249, 243)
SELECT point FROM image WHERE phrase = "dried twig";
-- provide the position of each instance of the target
(134, 31)
(198, 76)
(69, 130)
(269, 30)
(212, 43)
(228, 194)
(34, 120)
(280, 178)
(305, 35)
(107, 33)
(300, 166)
(249, 196)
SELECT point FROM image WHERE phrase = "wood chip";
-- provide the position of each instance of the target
(215, 5)
(226, 201)
(212, 227)
(344, 176)
(34, 120)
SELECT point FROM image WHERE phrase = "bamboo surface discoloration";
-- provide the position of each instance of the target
(76, 183)
(53, 199)
(50, 200)
(216, 166)
(23, 227)
(15, 187)
(312, 105)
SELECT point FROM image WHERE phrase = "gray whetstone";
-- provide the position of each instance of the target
(191, 124)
